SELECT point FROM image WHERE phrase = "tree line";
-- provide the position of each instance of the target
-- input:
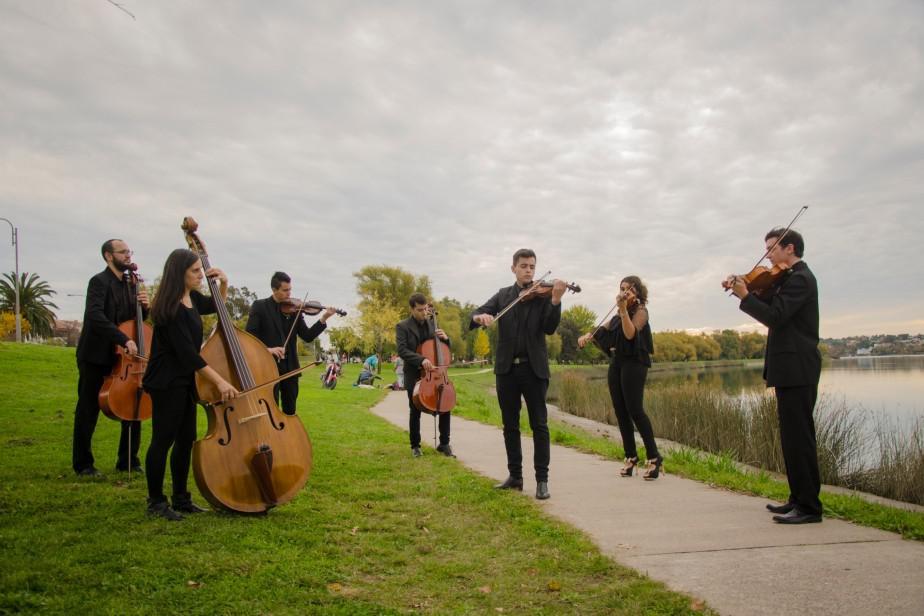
(383, 292)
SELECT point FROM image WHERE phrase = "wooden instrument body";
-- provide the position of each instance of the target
(223, 460)
(121, 397)
(434, 392)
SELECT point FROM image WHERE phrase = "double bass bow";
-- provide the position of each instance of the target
(121, 397)
(253, 457)
(434, 392)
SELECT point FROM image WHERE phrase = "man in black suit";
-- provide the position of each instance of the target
(267, 322)
(521, 366)
(792, 366)
(409, 333)
(110, 301)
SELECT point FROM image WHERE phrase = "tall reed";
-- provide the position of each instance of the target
(855, 450)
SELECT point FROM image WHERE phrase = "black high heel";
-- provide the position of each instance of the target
(631, 463)
(654, 469)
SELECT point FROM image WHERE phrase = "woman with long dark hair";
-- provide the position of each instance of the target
(628, 342)
(171, 378)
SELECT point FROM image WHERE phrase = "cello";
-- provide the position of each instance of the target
(121, 397)
(253, 457)
(434, 392)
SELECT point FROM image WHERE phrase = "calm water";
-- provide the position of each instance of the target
(891, 385)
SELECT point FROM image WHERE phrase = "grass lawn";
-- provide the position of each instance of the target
(374, 531)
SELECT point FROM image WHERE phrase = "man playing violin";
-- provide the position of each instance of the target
(409, 333)
(521, 365)
(271, 325)
(110, 301)
(792, 366)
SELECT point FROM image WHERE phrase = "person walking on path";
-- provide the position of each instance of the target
(792, 366)
(521, 366)
(627, 340)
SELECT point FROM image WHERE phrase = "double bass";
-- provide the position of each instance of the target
(253, 457)
(434, 392)
(121, 397)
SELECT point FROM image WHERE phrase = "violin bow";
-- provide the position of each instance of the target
(780, 238)
(298, 316)
(535, 284)
(607, 315)
(281, 377)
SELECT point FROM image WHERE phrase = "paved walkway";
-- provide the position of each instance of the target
(713, 544)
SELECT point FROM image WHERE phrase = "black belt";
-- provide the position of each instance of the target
(520, 360)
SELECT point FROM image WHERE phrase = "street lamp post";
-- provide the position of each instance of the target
(16, 281)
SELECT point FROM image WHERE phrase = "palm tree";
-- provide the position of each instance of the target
(34, 301)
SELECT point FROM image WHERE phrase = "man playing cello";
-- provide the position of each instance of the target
(110, 301)
(409, 333)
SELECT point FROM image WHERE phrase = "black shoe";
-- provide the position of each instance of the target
(785, 508)
(90, 471)
(162, 509)
(631, 463)
(136, 468)
(415, 451)
(542, 490)
(511, 483)
(797, 517)
(654, 469)
(183, 503)
(446, 450)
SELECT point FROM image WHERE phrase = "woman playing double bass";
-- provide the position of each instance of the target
(409, 334)
(170, 378)
(627, 340)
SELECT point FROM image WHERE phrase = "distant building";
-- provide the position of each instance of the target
(864, 351)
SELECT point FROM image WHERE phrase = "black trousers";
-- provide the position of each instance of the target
(173, 425)
(288, 391)
(414, 422)
(86, 414)
(522, 382)
(795, 406)
(626, 380)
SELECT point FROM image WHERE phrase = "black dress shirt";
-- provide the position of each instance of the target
(110, 301)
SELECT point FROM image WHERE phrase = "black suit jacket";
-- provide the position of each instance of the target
(543, 320)
(109, 303)
(791, 313)
(266, 323)
(408, 337)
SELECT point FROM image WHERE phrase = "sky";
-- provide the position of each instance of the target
(613, 138)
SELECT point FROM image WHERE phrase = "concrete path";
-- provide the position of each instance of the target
(713, 544)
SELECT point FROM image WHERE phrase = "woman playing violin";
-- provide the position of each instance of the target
(627, 340)
(171, 378)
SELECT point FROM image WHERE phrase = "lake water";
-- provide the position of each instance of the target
(892, 385)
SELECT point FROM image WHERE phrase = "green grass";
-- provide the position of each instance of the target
(477, 403)
(374, 531)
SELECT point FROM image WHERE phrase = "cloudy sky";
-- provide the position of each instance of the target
(659, 139)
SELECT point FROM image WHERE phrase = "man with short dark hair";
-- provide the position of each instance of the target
(267, 322)
(792, 366)
(110, 301)
(521, 366)
(409, 333)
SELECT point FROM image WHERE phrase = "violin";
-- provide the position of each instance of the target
(761, 279)
(544, 289)
(121, 397)
(293, 306)
(434, 392)
(253, 457)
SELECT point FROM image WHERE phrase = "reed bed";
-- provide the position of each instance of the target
(856, 449)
